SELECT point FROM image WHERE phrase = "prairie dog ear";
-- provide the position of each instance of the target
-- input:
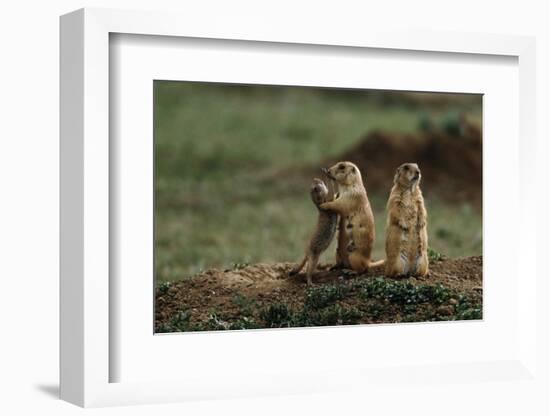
(397, 173)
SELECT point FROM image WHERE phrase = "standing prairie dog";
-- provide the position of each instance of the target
(406, 226)
(356, 234)
(324, 231)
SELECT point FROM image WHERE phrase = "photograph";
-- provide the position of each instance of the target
(301, 206)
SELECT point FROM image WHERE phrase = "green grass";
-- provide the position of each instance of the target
(217, 148)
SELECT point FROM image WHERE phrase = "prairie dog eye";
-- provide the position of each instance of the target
(341, 167)
(406, 167)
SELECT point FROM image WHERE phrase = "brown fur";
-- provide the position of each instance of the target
(324, 231)
(342, 254)
(406, 226)
(356, 233)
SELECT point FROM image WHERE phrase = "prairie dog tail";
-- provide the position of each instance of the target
(377, 263)
(360, 264)
(298, 268)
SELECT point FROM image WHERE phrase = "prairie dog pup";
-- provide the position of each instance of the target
(324, 231)
(406, 226)
(356, 218)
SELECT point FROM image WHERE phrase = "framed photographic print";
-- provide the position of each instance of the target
(270, 212)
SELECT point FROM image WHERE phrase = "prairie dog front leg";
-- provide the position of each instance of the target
(422, 214)
(336, 205)
(397, 218)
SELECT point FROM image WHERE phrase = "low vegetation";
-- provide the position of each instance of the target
(355, 301)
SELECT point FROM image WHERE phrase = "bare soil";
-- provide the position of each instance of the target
(261, 285)
(451, 164)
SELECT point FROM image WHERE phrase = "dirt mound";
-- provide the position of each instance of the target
(256, 296)
(451, 164)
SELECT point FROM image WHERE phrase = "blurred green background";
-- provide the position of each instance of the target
(233, 166)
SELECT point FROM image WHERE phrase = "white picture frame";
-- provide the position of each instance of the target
(87, 356)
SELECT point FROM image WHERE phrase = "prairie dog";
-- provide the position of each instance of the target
(324, 231)
(406, 226)
(356, 218)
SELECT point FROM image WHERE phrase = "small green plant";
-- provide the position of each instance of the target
(239, 266)
(434, 255)
(466, 309)
(163, 287)
(437, 294)
(322, 296)
(180, 322)
(373, 308)
(327, 316)
(163, 328)
(332, 315)
(245, 304)
(216, 323)
(245, 322)
(277, 315)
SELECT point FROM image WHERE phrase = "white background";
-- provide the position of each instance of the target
(137, 61)
(29, 208)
